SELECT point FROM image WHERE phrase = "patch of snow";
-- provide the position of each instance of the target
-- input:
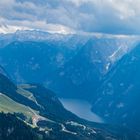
(107, 66)
(120, 105)
(60, 59)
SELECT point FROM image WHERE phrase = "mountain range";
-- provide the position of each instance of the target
(38, 68)
(61, 62)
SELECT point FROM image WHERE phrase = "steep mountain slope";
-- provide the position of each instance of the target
(2, 71)
(83, 73)
(59, 62)
(118, 98)
(12, 128)
(37, 100)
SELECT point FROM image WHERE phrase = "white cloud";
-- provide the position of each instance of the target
(111, 16)
(11, 29)
(15, 25)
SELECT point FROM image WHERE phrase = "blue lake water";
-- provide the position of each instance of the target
(81, 108)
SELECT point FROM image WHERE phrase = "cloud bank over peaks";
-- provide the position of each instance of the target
(69, 16)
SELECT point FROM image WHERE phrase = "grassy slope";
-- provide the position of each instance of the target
(9, 105)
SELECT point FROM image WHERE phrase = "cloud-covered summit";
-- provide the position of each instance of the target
(66, 16)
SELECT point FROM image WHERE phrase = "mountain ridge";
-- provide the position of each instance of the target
(47, 62)
(119, 92)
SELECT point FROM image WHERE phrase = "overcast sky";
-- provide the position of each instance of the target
(106, 16)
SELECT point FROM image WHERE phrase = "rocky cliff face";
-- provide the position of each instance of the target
(118, 98)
